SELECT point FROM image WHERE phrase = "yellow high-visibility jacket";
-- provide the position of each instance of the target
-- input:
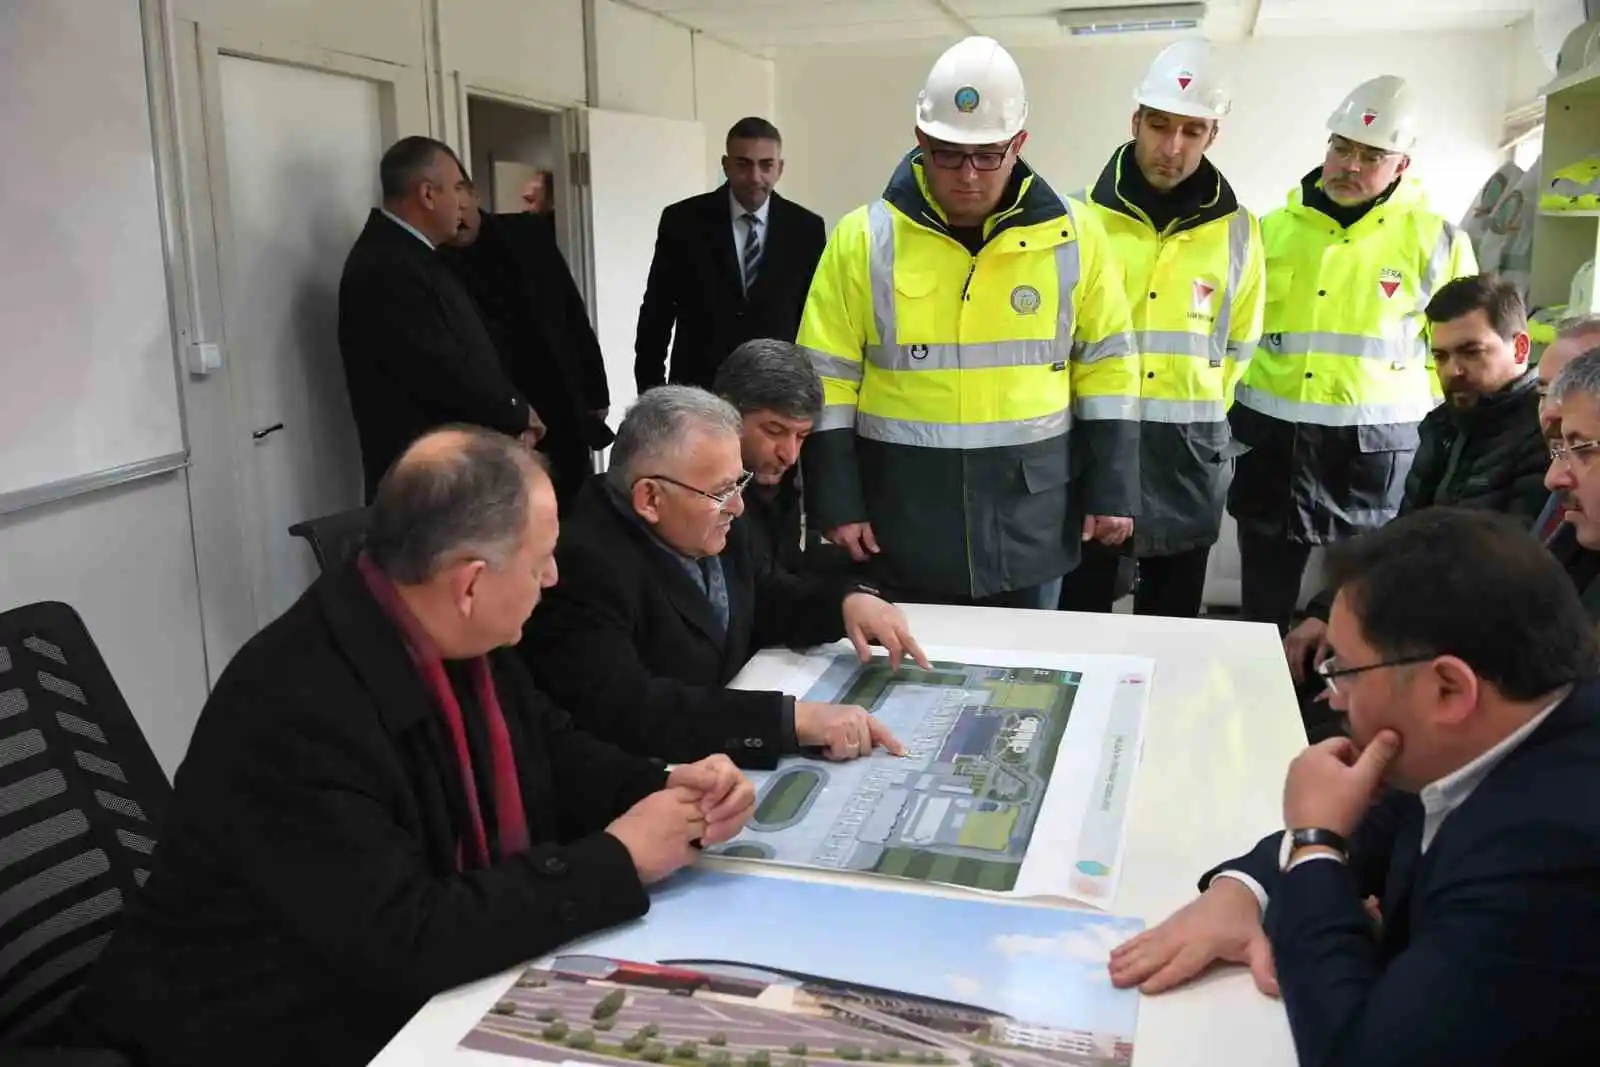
(1196, 290)
(978, 405)
(1330, 404)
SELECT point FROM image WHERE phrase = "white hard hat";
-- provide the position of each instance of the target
(1379, 113)
(1186, 80)
(1580, 300)
(1580, 50)
(974, 95)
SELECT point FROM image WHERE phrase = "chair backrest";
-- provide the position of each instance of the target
(334, 539)
(81, 800)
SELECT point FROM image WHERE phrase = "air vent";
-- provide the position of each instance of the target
(1149, 18)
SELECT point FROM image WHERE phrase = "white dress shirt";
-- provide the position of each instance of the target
(404, 225)
(741, 227)
(1438, 798)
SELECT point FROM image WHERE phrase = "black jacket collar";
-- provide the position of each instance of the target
(1027, 201)
(1203, 197)
(598, 501)
(372, 646)
(1510, 402)
(391, 233)
(1314, 196)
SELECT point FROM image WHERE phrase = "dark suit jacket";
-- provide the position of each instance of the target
(775, 521)
(695, 294)
(305, 901)
(630, 638)
(416, 351)
(540, 325)
(1488, 949)
(1582, 566)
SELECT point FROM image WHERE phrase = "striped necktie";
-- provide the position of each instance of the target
(751, 257)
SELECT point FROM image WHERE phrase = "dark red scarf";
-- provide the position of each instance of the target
(509, 816)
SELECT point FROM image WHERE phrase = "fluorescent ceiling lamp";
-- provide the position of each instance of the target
(1091, 21)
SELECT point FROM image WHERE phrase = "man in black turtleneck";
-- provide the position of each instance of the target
(1192, 266)
(1328, 409)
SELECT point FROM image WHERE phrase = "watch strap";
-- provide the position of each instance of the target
(1306, 837)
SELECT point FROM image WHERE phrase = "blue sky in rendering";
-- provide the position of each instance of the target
(1040, 965)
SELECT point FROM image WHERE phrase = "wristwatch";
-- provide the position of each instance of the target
(1302, 838)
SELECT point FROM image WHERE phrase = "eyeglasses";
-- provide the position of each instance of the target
(722, 499)
(1369, 157)
(1564, 451)
(1331, 671)
(955, 158)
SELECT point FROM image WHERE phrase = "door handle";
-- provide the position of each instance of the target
(267, 431)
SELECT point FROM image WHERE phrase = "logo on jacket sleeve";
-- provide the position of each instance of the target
(966, 99)
(1025, 300)
(1389, 281)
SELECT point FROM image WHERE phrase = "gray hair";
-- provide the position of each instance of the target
(770, 375)
(656, 425)
(1582, 375)
(470, 502)
(1578, 326)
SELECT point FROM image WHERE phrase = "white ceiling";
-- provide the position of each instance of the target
(765, 26)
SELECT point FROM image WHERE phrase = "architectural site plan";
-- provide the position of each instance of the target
(1015, 777)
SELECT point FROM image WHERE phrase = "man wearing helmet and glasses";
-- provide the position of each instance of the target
(1329, 405)
(1193, 267)
(981, 388)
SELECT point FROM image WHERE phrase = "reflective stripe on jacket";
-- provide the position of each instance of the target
(963, 393)
(1330, 404)
(1196, 294)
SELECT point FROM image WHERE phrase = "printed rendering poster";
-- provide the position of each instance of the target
(748, 970)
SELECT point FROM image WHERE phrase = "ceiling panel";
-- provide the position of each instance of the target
(1355, 17)
(766, 25)
(839, 17)
(858, 33)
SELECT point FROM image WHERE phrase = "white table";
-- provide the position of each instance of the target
(1221, 728)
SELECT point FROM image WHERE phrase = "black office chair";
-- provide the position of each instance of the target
(82, 799)
(334, 539)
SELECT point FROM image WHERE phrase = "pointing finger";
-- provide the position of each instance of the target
(880, 735)
(916, 651)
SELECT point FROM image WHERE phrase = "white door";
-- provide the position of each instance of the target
(637, 166)
(302, 150)
(508, 178)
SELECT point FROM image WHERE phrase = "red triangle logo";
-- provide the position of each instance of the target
(1368, 118)
(1184, 81)
(1202, 291)
(1389, 288)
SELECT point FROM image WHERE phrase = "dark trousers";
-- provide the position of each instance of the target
(1173, 585)
(1270, 571)
(1041, 597)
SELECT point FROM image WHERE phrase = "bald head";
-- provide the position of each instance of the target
(457, 492)
(1576, 337)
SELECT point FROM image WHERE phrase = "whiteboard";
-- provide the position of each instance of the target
(624, 211)
(87, 378)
